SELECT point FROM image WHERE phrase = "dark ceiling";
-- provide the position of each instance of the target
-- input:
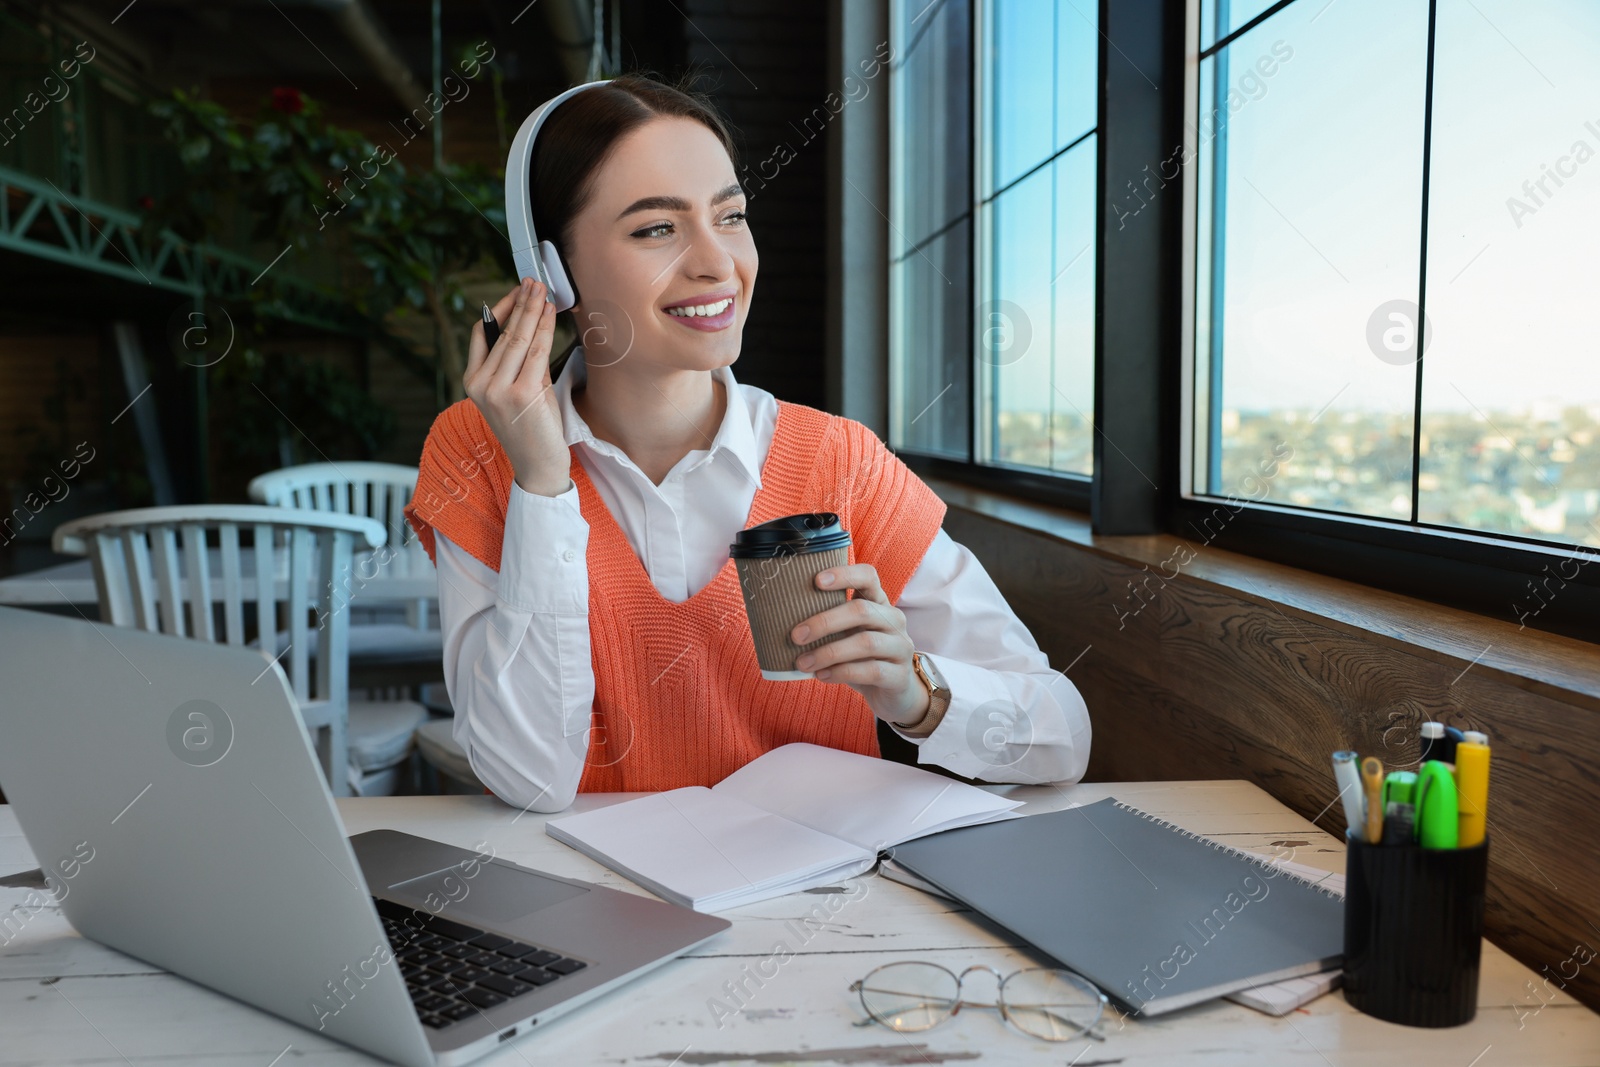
(233, 48)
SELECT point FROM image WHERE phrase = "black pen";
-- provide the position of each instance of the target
(491, 328)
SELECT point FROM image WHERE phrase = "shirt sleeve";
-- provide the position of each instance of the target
(516, 652)
(1012, 717)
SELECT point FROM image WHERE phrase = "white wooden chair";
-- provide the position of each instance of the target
(375, 490)
(378, 491)
(154, 570)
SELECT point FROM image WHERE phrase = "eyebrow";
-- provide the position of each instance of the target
(678, 203)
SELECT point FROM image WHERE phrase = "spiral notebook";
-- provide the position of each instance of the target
(1157, 917)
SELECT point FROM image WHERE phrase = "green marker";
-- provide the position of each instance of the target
(1399, 787)
(1437, 806)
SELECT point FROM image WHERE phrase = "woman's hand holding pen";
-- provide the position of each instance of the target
(874, 660)
(511, 385)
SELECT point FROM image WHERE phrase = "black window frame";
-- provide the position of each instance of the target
(1139, 484)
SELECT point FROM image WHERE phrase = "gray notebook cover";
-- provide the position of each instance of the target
(1157, 917)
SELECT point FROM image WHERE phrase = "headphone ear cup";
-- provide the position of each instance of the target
(561, 287)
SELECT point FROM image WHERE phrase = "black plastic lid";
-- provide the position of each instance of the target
(816, 531)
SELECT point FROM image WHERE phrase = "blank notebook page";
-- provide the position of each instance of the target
(867, 801)
(701, 844)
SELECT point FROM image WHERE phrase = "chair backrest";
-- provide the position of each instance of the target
(153, 570)
(376, 490)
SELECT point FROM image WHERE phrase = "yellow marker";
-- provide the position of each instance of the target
(1372, 786)
(1472, 783)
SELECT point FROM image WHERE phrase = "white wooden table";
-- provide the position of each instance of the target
(65, 1000)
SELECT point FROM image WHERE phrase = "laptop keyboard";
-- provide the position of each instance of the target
(453, 971)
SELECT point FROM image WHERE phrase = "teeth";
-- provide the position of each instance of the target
(703, 310)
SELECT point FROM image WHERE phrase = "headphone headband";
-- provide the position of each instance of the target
(535, 258)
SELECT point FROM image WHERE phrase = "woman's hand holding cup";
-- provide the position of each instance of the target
(873, 651)
(511, 385)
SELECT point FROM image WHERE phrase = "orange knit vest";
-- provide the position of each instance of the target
(679, 698)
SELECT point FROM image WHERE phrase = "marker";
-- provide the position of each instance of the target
(1399, 787)
(1399, 824)
(1348, 779)
(1399, 812)
(1372, 789)
(491, 327)
(1452, 738)
(1437, 810)
(1472, 785)
(1432, 741)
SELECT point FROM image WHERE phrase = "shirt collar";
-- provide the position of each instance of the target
(736, 437)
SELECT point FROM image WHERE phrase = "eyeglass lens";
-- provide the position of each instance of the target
(910, 996)
(1050, 1004)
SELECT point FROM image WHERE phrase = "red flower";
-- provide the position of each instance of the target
(146, 203)
(289, 101)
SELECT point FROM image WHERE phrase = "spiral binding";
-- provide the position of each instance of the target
(1256, 858)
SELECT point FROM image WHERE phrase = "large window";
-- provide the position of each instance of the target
(930, 274)
(1311, 279)
(1394, 275)
(993, 171)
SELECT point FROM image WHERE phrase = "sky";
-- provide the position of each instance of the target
(1324, 177)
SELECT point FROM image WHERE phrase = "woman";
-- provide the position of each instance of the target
(595, 637)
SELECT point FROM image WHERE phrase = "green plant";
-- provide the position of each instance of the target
(390, 240)
(449, 234)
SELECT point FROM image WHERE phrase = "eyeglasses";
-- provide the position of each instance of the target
(1046, 1002)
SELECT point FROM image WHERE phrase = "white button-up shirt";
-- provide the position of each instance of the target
(516, 644)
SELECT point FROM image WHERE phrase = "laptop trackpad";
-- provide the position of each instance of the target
(495, 893)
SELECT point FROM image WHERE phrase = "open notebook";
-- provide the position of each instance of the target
(799, 816)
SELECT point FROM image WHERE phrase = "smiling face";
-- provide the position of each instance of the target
(664, 227)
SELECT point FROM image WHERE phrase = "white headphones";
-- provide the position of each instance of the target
(535, 258)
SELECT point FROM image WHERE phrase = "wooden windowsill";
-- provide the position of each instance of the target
(1540, 662)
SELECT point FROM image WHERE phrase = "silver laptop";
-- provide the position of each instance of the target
(170, 792)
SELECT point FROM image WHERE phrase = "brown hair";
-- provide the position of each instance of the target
(580, 134)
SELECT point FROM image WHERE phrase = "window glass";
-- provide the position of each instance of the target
(1510, 383)
(1311, 174)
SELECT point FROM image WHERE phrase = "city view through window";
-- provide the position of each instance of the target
(1306, 324)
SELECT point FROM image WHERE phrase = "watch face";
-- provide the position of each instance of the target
(931, 671)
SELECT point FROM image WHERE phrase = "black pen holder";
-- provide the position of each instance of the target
(1413, 931)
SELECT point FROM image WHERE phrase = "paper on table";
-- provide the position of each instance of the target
(708, 851)
(1280, 998)
(871, 803)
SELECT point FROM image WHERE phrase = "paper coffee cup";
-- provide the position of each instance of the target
(778, 563)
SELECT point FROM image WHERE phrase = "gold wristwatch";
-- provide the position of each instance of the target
(938, 694)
